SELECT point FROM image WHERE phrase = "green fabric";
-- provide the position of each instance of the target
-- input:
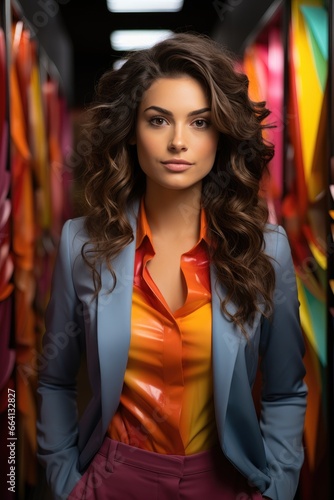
(316, 20)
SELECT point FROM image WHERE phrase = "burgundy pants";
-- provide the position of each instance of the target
(122, 472)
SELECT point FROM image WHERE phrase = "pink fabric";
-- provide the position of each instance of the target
(120, 471)
(275, 104)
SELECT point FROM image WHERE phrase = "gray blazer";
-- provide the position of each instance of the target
(269, 452)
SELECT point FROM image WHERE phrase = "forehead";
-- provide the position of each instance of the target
(173, 93)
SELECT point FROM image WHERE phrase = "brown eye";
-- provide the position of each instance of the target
(201, 123)
(158, 121)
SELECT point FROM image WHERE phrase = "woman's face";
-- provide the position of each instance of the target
(176, 143)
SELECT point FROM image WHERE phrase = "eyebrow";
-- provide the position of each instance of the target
(169, 113)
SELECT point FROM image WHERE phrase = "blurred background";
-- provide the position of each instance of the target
(52, 53)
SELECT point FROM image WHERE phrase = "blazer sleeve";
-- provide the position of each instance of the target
(57, 425)
(284, 391)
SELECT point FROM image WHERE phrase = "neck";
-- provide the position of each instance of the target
(173, 213)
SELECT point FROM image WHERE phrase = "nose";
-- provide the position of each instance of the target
(177, 141)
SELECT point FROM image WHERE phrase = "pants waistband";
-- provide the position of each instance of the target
(176, 465)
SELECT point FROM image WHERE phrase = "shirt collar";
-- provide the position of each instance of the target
(143, 228)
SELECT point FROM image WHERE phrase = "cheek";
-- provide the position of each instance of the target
(145, 146)
(210, 148)
(208, 145)
(214, 142)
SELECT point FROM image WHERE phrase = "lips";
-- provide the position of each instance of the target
(177, 165)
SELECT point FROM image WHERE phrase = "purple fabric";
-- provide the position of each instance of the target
(5, 209)
(120, 471)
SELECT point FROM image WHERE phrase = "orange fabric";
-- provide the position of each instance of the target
(50, 90)
(23, 226)
(166, 404)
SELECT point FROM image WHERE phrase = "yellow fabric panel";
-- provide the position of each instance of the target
(318, 255)
(305, 318)
(309, 92)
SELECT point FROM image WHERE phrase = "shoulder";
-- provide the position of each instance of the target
(275, 239)
(74, 234)
(277, 244)
(75, 228)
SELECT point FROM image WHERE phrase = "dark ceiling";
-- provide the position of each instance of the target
(89, 25)
(76, 33)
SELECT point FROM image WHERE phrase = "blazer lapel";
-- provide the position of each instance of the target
(235, 413)
(225, 347)
(114, 327)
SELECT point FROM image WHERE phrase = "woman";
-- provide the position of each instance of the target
(174, 285)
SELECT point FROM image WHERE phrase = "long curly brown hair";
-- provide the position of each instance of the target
(236, 214)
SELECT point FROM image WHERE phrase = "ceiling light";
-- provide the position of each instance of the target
(145, 5)
(137, 39)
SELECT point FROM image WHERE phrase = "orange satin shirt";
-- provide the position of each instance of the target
(166, 404)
